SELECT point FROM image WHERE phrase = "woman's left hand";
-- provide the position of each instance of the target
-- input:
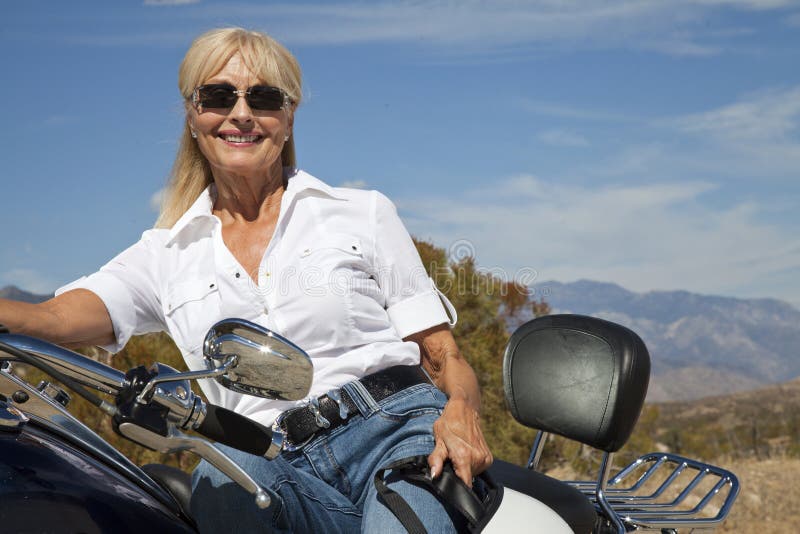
(457, 433)
(459, 438)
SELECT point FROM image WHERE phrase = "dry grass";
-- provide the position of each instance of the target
(769, 500)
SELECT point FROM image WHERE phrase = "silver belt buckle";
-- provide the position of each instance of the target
(336, 395)
(280, 437)
(319, 419)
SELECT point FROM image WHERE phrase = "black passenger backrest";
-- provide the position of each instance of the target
(580, 377)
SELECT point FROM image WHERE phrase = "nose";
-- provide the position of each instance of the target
(241, 111)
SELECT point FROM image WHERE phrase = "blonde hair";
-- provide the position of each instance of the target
(268, 60)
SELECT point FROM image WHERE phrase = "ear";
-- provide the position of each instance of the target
(290, 121)
(190, 120)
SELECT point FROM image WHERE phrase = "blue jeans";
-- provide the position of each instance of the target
(327, 485)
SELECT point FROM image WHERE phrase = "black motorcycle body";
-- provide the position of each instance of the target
(48, 484)
(57, 475)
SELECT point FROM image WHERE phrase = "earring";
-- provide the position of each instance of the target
(194, 134)
(286, 137)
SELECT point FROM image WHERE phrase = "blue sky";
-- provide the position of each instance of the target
(652, 143)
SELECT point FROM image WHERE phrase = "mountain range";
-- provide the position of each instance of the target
(700, 345)
(15, 293)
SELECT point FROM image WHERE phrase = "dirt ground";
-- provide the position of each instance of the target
(769, 499)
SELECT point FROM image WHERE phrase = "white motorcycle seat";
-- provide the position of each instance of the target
(573, 506)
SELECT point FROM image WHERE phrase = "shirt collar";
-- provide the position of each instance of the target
(300, 183)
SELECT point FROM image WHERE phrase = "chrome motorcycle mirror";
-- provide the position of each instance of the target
(264, 363)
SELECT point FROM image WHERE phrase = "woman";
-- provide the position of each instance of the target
(243, 233)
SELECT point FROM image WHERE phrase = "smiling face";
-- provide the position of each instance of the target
(240, 140)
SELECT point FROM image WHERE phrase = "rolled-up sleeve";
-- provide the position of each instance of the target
(128, 287)
(412, 301)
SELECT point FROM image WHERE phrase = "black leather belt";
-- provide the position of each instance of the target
(329, 411)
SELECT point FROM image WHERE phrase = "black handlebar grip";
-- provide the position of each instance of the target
(235, 430)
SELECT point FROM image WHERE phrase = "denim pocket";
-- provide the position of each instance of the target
(415, 401)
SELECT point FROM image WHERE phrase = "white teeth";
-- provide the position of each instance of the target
(240, 138)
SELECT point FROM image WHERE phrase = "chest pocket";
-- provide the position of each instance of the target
(192, 306)
(319, 310)
(330, 260)
(349, 245)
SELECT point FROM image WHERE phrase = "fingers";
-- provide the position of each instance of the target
(459, 438)
(464, 472)
(436, 463)
(437, 458)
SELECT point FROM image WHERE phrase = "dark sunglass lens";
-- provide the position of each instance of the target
(265, 98)
(217, 96)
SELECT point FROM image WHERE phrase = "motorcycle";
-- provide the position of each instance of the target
(579, 377)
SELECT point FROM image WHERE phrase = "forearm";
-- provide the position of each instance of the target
(458, 381)
(30, 319)
(76, 318)
(447, 367)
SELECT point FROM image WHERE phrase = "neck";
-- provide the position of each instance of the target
(242, 198)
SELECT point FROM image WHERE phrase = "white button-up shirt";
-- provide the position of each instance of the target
(340, 277)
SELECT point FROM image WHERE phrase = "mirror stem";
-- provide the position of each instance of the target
(142, 398)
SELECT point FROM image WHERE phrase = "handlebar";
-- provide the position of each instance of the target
(87, 371)
(174, 405)
(238, 431)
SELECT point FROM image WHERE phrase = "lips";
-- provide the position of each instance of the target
(240, 138)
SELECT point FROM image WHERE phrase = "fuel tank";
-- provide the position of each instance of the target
(48, 485)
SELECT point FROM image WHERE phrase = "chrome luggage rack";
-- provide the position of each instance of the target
(657, 492)
(664, 493)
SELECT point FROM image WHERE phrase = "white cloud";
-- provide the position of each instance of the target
(654, 236)
(768, 116)
(756, 136)
(156, 199)
(58, 120)
(562, 138)
(169, 2)
(479, 29)
(753, 139)
(551, 109)
(676, 27)
(355, 184)
(748, 4)
(29, 280)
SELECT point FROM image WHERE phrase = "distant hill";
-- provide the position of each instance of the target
(15, 293)
(761, 423)
(700, 345)
(762, 405)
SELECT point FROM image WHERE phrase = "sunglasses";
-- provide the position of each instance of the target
(224, 96)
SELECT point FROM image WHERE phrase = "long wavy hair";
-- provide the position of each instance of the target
(268, 60)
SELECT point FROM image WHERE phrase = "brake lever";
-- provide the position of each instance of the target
(164, 404)
(176, 441)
